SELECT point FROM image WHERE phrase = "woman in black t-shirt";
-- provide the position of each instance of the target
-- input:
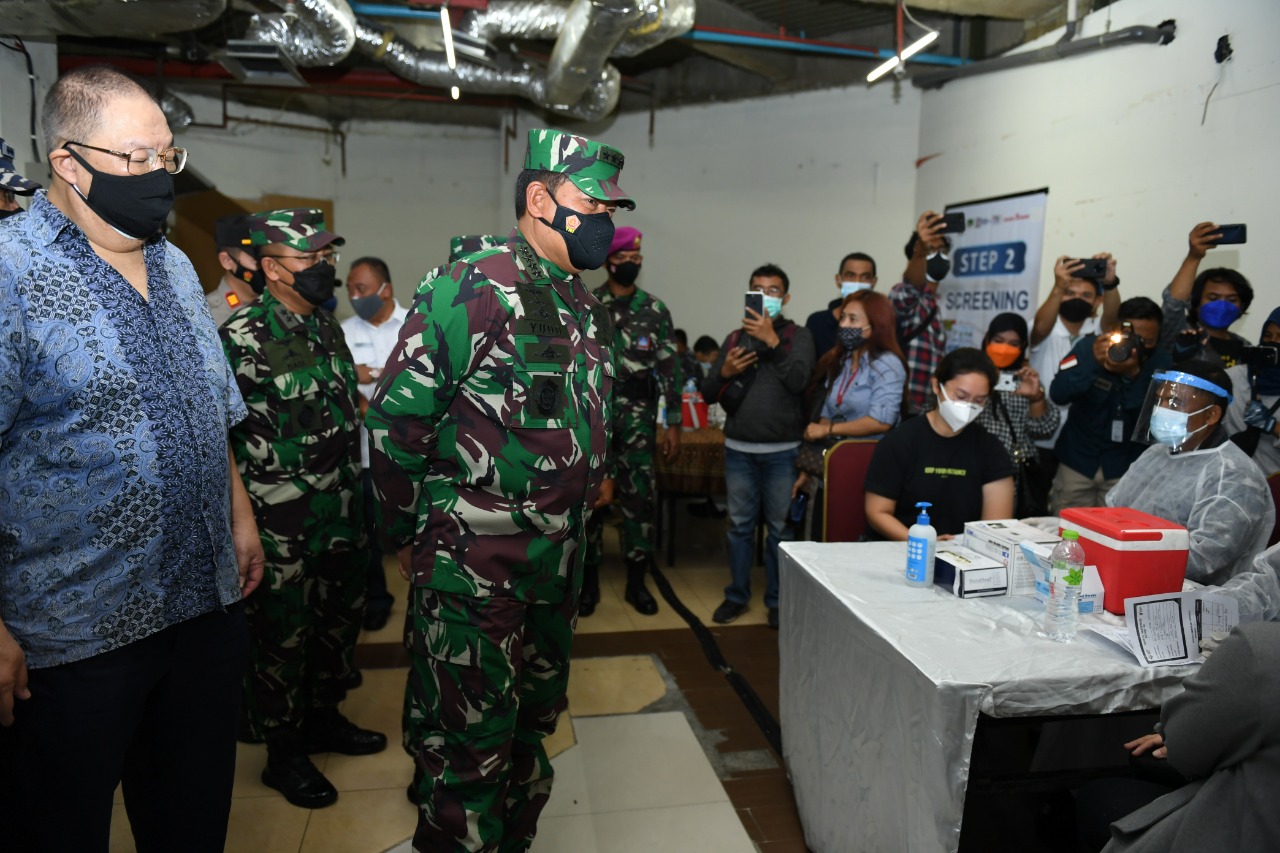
(942, 457)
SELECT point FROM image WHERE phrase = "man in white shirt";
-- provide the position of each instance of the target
(371, 335)
(1068, 313)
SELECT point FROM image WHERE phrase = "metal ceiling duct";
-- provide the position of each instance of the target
(510, 77)
(661, 20)
(544, 20)
(592, 29)
(312, 33)
(127, 18)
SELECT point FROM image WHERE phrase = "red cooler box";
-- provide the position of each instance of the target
(693, 410)
(1136, 553)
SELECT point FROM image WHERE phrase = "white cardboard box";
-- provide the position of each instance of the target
(1091, 589)
(1000, 540)
(967, 573)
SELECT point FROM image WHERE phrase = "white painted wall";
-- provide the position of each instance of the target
(1117, 137)
(798, 180)
(15, 102)
(408, 187)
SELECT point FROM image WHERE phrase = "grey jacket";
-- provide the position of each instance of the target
(774, 409)
(1224, 731)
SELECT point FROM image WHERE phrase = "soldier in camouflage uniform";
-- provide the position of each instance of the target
(645, 353)
(489, 433)
(465, 244)
(299, 454)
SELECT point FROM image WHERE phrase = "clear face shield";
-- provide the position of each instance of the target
(1179, 410)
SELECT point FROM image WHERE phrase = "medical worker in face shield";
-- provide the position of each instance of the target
(1196, 477)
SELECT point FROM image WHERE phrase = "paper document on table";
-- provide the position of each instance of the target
(1118, 634)
(1165, 629)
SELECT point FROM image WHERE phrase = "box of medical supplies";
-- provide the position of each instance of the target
(1000, 540)
(967, 573)
(1136, 553)
(1091, 588)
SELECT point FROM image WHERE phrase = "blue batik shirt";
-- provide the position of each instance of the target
(114, 410)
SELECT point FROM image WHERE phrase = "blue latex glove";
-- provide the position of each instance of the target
(1256, 415)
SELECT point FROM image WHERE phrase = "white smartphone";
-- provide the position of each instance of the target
(1009, 381)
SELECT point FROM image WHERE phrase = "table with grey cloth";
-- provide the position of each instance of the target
(882, 685)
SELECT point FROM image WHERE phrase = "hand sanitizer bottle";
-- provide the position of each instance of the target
(922, 542)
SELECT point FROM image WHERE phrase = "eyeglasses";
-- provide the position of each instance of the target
(312, 258)
(144, 160)
(772, 290)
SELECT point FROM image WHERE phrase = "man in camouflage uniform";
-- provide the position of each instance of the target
(490, 435)
(645, 354)
(465, 244)
(298, 452)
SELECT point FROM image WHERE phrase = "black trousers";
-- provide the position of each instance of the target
(159, 714)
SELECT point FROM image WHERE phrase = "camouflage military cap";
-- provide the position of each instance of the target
(9, 178)
(465, 244)
(298, 228)
(592, 166)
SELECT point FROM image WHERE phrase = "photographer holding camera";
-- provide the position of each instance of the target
(1104, 379)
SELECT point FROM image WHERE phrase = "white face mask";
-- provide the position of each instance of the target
(957, 413)
(848, 288)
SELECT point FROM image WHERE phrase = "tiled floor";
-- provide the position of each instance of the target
(626, 779)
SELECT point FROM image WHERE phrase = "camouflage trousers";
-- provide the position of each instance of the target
(487, 681)
(304, 621)
(634, 445)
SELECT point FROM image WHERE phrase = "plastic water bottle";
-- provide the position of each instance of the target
(1062, 609)
(922, 542)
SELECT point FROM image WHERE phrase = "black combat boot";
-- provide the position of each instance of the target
(590, 596)
(291, 772)
(637, 595)
(325, 730)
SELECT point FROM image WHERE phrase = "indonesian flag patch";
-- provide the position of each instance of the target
(1068, 362)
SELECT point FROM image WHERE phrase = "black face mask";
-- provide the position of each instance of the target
(316, 283)
(625, 273)
(937, 266)
(850, 338)
(253, 278)
(134, 205)
(1075, 310)
(588, 242)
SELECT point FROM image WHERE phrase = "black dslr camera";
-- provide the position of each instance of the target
(1122, 343)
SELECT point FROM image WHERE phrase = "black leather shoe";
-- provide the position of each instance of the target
(329, 731)
(773, 618)
(298, 779)
(588, 601)
(639, 598)
(353, 680)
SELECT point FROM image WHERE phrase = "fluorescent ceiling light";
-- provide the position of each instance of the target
(893, 61)
(920, 45)
(454, 91)
(447, 28)
(881, 70)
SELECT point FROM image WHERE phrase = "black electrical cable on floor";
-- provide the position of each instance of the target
(755, 706)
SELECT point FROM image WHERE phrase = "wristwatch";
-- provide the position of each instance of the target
(375, 372)
(1107, 288)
